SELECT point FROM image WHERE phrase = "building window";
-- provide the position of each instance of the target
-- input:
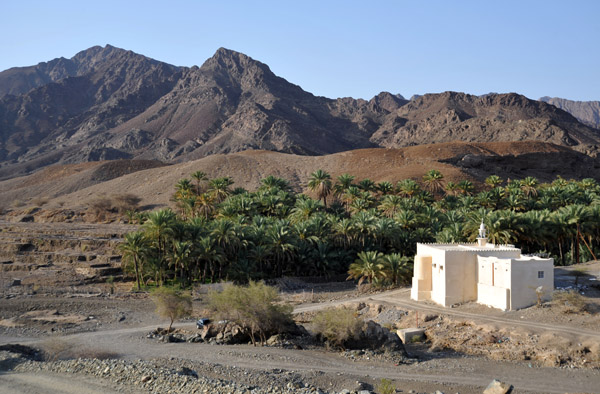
(540, 274)
(435, 265)
(442, 267)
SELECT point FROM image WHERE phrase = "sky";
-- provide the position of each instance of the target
(337, 48)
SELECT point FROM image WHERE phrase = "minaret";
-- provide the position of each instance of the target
(482, 238)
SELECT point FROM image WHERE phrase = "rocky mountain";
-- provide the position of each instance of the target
(452, 116)
(108, 103)
(587, 112)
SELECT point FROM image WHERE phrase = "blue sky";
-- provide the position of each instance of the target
(337, 48)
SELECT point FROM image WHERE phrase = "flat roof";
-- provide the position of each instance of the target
(474, 247)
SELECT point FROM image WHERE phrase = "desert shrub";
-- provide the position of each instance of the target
(125, 202)
(385, 387)
(17, 203)
(337, 325)
(254, 308)
(100, 207)
(39, 201)
(172, 304)
(572, 300)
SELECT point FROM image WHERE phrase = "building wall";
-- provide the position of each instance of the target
(524, 281)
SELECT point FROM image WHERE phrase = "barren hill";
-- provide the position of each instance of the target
(77, 185)
(107, 103)
(587, 112)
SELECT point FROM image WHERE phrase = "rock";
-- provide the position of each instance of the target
(429, 317)
(498, 387)
(146, 378)
(16, 282)
(273, 340)
(438, 392)
(185, 371)
(174, 338)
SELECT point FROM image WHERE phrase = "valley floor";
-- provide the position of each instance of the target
(113, 329)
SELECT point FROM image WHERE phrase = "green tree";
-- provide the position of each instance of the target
(368, 267)
(320, 182)
(135, 249)
(434, 181)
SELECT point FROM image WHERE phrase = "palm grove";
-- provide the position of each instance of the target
(366, 229)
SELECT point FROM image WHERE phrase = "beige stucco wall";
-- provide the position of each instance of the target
(421, 281)
(524, 281)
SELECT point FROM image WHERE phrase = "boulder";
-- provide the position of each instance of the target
(376, 337)
(498, 387)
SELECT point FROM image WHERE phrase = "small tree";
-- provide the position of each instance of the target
(172, 304)
(254, 308)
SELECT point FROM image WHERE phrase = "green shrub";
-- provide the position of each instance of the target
(385, 387)
(254, 308)
(337, 325)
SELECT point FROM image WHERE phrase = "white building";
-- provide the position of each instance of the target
(494, 275)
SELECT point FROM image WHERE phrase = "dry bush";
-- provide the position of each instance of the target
(172, 304)
(125, 202)
(254, 308)
(337, 325)
(100, 207)
(39, 201)
(571, 300)
(17, 203)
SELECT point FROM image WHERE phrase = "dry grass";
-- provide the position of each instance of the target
(571, 300)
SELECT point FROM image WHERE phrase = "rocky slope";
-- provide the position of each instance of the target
(76, 186)
(587, 112)
(108, 103)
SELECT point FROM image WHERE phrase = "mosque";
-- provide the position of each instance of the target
(495, 275)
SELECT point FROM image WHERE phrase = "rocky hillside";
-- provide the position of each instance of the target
(587, 112)
(76, 186)
(108, 103)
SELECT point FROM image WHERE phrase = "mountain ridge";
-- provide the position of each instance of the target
(116, 104)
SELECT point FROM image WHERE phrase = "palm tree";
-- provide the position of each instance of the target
(134, 249)
(218, 188)
(180, 259)
(397, 268)
(466, 187)
(320, 182)
(159, 228)
(369, 266)
(452, 189)
(344, 182)
(304, 209)
(199, 177)
(367, 185)
(408, 188)
(493, 181)
(385, 187)
(282, 243)
(434, 181)
(390, 205)
(272, 182)
(529, 186)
